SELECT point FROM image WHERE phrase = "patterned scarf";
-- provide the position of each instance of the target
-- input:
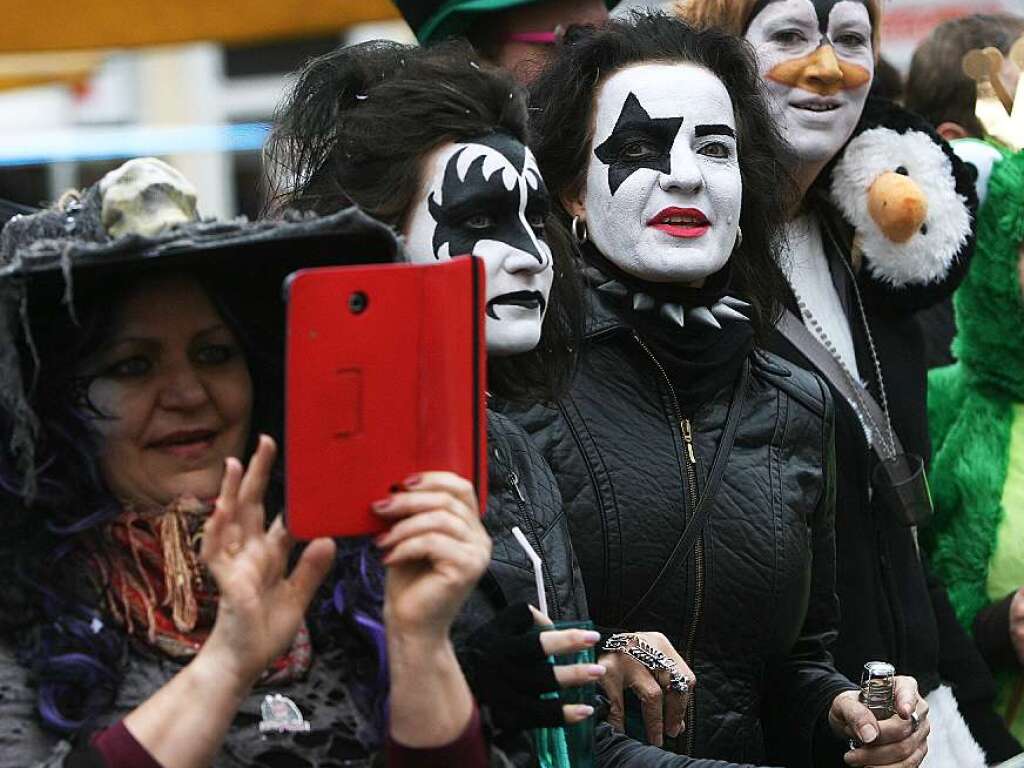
(146, 563)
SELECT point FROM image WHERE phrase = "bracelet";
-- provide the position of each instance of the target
(650, 657)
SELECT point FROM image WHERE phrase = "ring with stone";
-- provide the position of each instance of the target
(677, 682)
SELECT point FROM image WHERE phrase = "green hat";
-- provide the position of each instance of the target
(432, 20)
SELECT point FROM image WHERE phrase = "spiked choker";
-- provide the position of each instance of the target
(680, 305)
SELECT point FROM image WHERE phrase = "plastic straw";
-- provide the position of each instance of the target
(538, 569)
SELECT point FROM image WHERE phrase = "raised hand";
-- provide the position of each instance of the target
(435, 553)
(899, 742)
(260, 605)
(183, 724)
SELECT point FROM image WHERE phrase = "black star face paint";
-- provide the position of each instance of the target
(637, 141)
(663, 193)
(487, 198)
(817, 60)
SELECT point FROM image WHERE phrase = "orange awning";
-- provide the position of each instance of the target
(50, 25)
(27, 69)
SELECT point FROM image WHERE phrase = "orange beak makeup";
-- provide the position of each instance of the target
(823, 72)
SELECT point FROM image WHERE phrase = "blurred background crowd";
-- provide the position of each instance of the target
(197, 83)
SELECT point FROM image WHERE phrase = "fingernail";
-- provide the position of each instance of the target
(596, 670)
(582, 710)
(867, 733)
(383, 505)
(591, 637)
(413, 480)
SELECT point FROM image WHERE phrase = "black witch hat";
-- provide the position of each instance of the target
(50, 258)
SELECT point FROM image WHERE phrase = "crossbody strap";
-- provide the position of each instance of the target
(855, 393)
(707, 499)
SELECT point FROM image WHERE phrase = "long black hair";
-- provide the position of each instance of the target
(355, 130)
(562, 107)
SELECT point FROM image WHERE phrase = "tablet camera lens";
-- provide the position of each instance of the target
(357, 302)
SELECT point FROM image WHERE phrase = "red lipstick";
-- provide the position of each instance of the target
(681, 222)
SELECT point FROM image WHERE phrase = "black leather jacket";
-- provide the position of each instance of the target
(755, 598)
(522, 491)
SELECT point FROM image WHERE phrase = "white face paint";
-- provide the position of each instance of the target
(664, 191)
(818, 63)
(487, 199)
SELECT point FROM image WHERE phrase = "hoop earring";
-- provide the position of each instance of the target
(579, 230)
(739, 238)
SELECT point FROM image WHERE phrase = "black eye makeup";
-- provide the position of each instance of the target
(716, 149)
(822, 11)
(851, 39)
(637, 141)
(480, 207)
(478, 221)
(723, 148)
(788, 37)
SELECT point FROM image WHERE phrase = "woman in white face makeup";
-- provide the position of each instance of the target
(817, 61)
(432, 142)
(697, 468)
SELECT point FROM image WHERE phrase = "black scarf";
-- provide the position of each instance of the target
(700, 361)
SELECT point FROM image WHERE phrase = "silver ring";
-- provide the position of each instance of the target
(915, 721)
(639, 649)
(677, 682)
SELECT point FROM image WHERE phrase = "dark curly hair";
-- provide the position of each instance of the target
(54, 315)
(73, 653)
(354, 131)
(562, 106)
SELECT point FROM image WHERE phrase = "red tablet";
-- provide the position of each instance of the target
(386, 368)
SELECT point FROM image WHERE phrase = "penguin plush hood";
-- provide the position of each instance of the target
(910, 200)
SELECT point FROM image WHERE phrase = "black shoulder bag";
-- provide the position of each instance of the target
(899, 477)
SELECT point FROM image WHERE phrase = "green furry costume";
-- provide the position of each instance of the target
(976, 414)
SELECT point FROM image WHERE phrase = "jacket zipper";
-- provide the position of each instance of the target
(690, 468)
(554, 611)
